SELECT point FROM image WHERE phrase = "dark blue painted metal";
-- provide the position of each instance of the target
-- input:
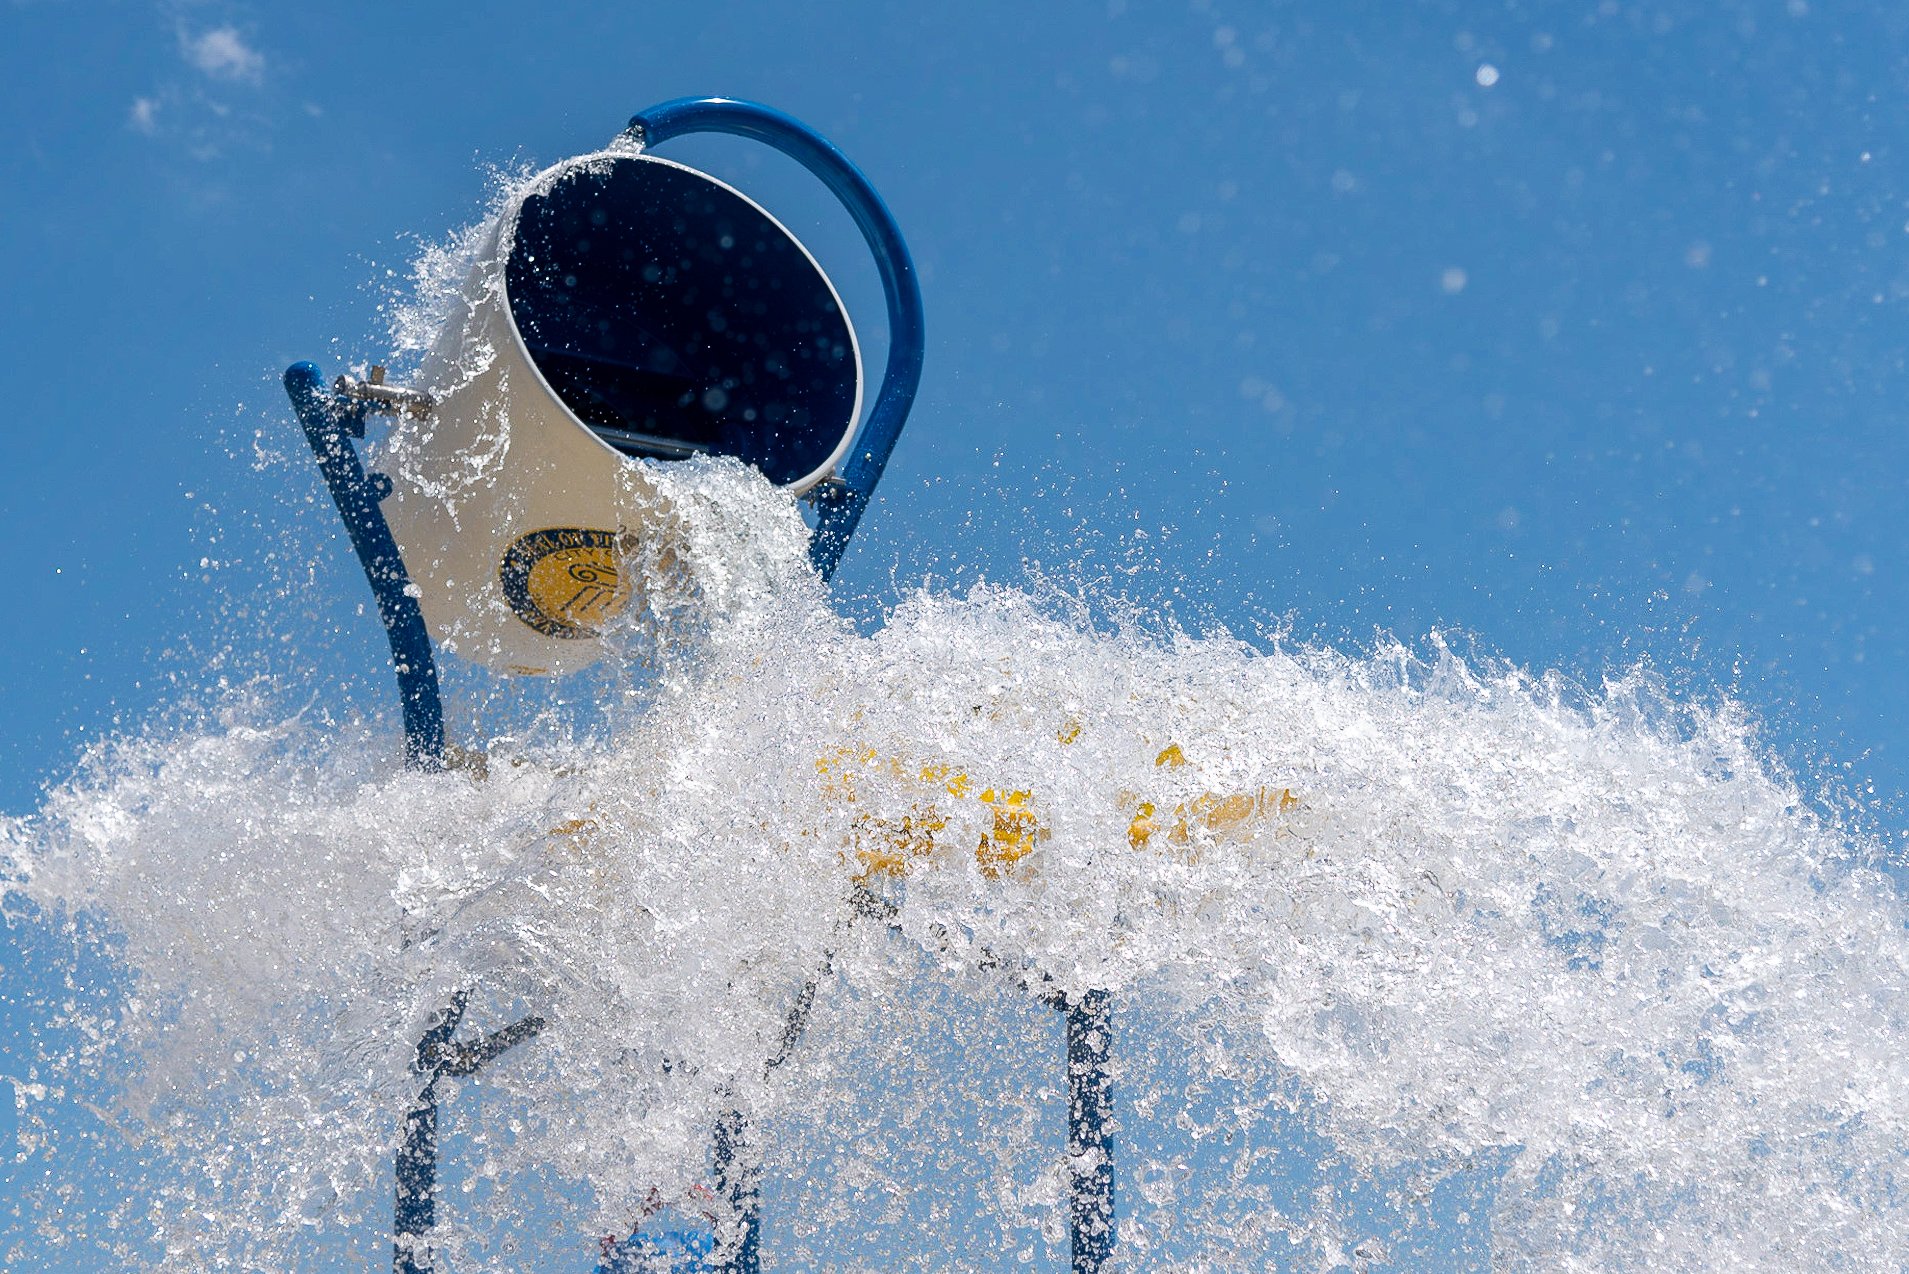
(331, 421)
(438, 1055)
(739, 1186)
(415, 1214)
(840, 506)
(1090, 1161)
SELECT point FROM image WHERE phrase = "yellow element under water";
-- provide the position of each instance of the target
(891, 846)
(1221, 816)
(1218, 816)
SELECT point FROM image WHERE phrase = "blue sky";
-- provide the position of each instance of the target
(1573, 331)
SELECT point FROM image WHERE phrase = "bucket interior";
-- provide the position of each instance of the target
(674, 317)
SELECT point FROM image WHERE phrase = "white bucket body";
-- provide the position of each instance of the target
(514, 517)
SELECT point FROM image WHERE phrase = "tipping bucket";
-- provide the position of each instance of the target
(624, 308)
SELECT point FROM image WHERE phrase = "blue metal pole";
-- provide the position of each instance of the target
(331, 421)
(414, 1214)
(415, 1210)
(840, 506)
(739, 1184)
(1090, 1161)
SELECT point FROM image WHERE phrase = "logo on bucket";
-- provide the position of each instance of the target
(564, 581)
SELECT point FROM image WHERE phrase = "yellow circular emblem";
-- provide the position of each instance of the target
(565, 581)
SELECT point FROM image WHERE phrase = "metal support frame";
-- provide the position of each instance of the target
(1090, 1157)
(332, 420)
(1090, 1161)
(438, 1057)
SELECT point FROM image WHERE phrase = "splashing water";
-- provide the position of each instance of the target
(1583, 945)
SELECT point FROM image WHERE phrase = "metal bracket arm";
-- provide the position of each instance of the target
(840, 507)
(331, 420)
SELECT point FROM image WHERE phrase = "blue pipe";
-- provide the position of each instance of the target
(739, 1185)
(331, 422)
(1090, 1149)
(840, 506)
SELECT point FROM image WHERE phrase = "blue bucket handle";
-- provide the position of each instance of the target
(840, 500)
